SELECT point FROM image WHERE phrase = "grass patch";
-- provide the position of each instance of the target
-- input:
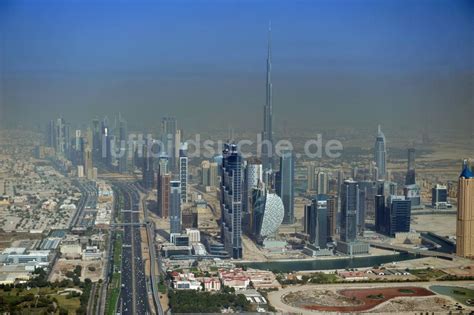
(427, 274)
(406, 291)
(379, 296)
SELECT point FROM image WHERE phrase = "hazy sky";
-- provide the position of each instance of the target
(357, 63)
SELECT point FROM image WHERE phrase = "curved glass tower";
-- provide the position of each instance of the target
(269, 212)
(380, 154)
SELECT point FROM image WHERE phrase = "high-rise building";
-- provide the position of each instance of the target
(163, 163)
(148, 173)
(231, 200)
(311, 169)
(96, 139)
(88, 167)
(412, 192)
(213, 174)
(465, 216)
(349, 209)
(399, 211)
(286, 185)
(380, 154)
(163, 194)
(332, 216)
(205, 168)
(252, 178)
(175, 207)
(123, 135)
(350, 206)
(168, 140)
(322, 183)
(439, 197)
(316, 221)
(267, 215)
(183, 172)
(361, 213)
(268, 162)
(410, 178)
(381, 221)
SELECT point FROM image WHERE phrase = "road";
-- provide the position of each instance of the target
(134, 295)
(84, 216)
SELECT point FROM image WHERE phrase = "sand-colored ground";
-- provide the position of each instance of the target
(62, 266)
(441, 224)
(395, 306)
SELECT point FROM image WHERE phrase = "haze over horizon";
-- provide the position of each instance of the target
(335, 63)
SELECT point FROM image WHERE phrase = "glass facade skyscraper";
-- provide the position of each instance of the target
(380, 154)
(231, 200)
(286, 185)
(175, 207)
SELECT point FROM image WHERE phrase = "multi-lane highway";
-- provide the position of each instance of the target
(134, 295)
(84, 216)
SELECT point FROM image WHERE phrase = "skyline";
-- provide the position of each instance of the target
(346, 67)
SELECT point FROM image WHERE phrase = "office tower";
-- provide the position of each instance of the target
(439, 197)
(268, 162)
(355, 172)
(177, 146)
(183, 171)
(350, 205)
(332, 216)
(349, 209)
(317, 221)
(163, 194)
(286, 185)
(412, 192)
(123, 135)
(361, 213)
(381, 222)
(252, 178)
(399, 211)
(175, 207)
(410, 178)
(148, 173)
(104, 140)
(61, 137)
(163, 164)
(168, 139)
(80, 171)
(78, 140)
(213, 174)
(96, 139)
(205, 176)
(231, 200)
(268, 215)
(380, 154)
(322, 183)
(88, 162)
(311, 169)
(340, 181)
(465, 216)
(51, 140)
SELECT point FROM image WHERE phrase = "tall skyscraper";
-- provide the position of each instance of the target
(267, 214)
(231, 200)
(163, 194)
(213, 174)
(380, 154)
(317, 221)
(175, 207)
(399, 212)
(410, 178)
(205, 168)
(96, 139)
(148, 172)
(88, 162)
(123, 135)
(322, 183)
(465, 216)
(252, 178)
(332, 216)
(183, 171)
(286, 185)
(268, 153)
(349, 209)
(311, 169)
(350, 206)
(168, 139)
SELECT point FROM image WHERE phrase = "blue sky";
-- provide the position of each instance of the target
(335, 61)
